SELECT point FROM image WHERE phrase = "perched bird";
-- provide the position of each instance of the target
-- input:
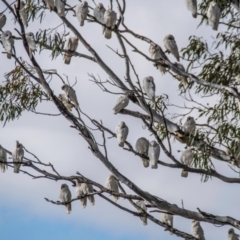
(3, 20)
(82, 11)
(110, 18)
(153, 154)
(60, 5)
(31, 42)
(236, 4)
(112, 184)
(50, 4)
(121, 103)
(71, 94)
(168, 219)
(213, 15)
(156, 53)
(83, 189)
(66, 196)
(186, 158)
(63, 98)
(17, 156)
(8, 43)
(3, 159)
(149, 87)
(232, 235)
(171, 46)
(141, 146)
(71, 44)
(192, 7)
(190, 125)
(122, 133)
(142, 205)
(98, 12)
(197, 230)
(22, 12)
(182, 79)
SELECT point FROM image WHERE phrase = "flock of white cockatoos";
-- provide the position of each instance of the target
(150, 151)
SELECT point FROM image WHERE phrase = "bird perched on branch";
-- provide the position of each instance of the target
(31, 42)
(192, 7)
(142, 205)
(181, 78)
(142, 146)
(190, 126)
(197, 230)
(110, 18)
(98, 12)
(168, 219)
(63, 98)
(60, 5)
(153, 154)
(3, 20)
(3, 159)
(22, 12)
(112, 184)
(71, 44)
(82, 11)
(50, 4)
(149, 87)
(171, 46)
(213, 15)
(18, 155)
(66, 196)
(186, 158)
(71, 94)
(8, 43)
(122, 133)
(121, 103)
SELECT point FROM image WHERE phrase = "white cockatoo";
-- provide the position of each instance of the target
(168, 219)
(236, 4)
(232, 235)
(110, 18)
(8, 43)
(213, 15)
(190, 125)
(112, 184)
(192, 7)
(186, 158)
(17, 156)
(3, 159)
(98, 12)
(157, 53)
(63, 98)
(197, 230)
(60, 5)
(182, 79)
(149, 87)
(142, 205)
(171, 46)
(50, 4)
(153, 154)
(71, 44)
(122, 133)
(31, 42)
(71, 94)
(83, 189)
(142, 146)
(66, 196)
(82, 11)
(22, 12)
(3, 20)
(121, 103)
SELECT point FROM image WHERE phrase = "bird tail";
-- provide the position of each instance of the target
(67, 59)
(82, 23)
(91, 199)
(215, 26)
(194, 15)
(161, 69)
(107, 33)
(115, 198)
(9, 55)
(144, 221)
(121, 144)
(171, 233)
(3, 167)
(184, 173)
(154, 165)
(84, 202)
(68, 208)
(16, 168)
(145, 162)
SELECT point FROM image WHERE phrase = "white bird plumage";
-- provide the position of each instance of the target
(17, 156)
(8, 43)
(3, 20)
(71, 44)
(182, 79)
(31, 42)
(110, 18)
(153, 154)
(66, 196)
(71, 94)
(190, 125)
(142, 205)
(168, 219)
(213, 15)
(63, 98)
(142, 146)
(197, 230)
(60, 5)
(232, 235)
(192, 7)
(82, 11)
(112, 184)
(3, 158)
(171, 46)
(149, 87)
(98, 12)
(50, 4)
(121, 103)
(186, 158)
(122, 133)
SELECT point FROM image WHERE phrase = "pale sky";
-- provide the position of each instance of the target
(22, 201)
